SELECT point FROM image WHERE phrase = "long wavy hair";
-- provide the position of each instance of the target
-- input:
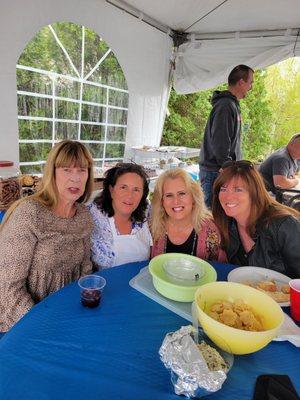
(159, 216)
(104, 200)
(66, 153)
(263, 207)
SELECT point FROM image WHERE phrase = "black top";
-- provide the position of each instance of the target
(221, 141)
(188, 247)
(242, 257)
(276, 246)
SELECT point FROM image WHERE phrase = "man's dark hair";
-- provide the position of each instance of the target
(239, 72)
(294, 138)
(104, 200)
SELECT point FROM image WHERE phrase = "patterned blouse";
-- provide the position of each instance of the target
(40, 253)
(208, 246)
(102, 238)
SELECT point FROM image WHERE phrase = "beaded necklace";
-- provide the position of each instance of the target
(194, 242)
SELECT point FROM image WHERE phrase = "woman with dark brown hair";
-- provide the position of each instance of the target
(255, 229)
(121, 234)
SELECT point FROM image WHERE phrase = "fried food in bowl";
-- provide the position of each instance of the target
(280, 293)
(236, 314)
(255, 309)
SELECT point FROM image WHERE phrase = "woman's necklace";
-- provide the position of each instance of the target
(195, 236)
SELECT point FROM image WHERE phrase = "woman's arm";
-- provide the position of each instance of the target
(17, 243)
(101, 239)
(209, 240)
(87, 267)
(288, 240)
(158, 247)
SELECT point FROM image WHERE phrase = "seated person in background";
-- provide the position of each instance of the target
(180, 221)
(45, 238)
(121, 234)
(255, 229)
(280, 168)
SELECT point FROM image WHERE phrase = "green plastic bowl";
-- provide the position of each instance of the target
(178, 291)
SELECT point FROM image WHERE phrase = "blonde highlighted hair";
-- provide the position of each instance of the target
(66, 153)
(159, 216)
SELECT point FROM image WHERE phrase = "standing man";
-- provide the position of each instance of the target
(223, 129)
(281, 167)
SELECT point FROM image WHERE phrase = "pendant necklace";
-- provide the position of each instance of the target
(193, 247)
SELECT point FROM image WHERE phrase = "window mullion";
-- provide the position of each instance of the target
(81, 82)
(64, 50)
(105, 129)
(53, 82)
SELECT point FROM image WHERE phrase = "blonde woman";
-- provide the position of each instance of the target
(180, 221)
(45, 238)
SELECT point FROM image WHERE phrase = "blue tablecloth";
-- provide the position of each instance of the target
(61, 350)
(1, 215)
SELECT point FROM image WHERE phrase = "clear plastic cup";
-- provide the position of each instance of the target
(91, 288)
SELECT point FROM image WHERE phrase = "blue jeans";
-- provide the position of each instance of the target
(207, 179)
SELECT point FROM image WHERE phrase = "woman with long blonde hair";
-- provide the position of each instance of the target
(45, 238)
(180, 221)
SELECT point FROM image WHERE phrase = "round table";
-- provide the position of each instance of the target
(61, 350)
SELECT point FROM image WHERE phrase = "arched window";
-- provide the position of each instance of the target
(70, 85)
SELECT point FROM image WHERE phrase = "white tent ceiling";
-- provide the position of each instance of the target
(220, 33)
(219, 16)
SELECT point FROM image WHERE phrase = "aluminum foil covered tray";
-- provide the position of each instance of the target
(197, 369)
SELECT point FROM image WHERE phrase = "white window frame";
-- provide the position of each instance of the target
(81, 79)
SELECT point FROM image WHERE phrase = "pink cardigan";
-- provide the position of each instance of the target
(208, 245)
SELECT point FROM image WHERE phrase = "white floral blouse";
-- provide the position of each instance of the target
(102, 238)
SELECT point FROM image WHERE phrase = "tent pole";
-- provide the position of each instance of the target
(121, 5)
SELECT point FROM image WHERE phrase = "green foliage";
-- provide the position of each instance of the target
(283, 83)
(34, 151)
(44, 53)
(188, 115)
(256, 120)
(35, 129)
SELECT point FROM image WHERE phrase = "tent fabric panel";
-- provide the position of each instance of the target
(204, 64)
(143, 52)
(153, 109)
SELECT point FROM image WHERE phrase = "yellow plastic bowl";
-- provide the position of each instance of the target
(232, 340)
